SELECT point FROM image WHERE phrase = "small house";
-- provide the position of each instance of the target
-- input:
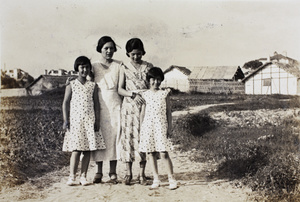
(177, 77)
(274, 78)
(59, 72)
(46, 83)
(215, 79)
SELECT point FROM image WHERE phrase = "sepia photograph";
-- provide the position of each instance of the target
(150, 100)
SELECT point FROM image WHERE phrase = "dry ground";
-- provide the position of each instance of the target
(194, 184)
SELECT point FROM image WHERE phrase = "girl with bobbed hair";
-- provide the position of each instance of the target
(81, 120)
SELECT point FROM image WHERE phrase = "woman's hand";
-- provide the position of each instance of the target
(139, 100)
(69, 79)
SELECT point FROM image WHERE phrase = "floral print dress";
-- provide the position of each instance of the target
(153, 136)
(135, 81)
(81, 135)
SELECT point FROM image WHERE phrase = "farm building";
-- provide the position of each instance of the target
(177, 77)
(46, 83)
(274, 78)
(219, 79)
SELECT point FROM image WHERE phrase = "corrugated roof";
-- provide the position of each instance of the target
(215, 72)
(292, 69)
(184, 70)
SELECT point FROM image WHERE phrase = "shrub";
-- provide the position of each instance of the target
(191, 126)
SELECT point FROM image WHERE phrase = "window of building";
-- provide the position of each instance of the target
(266, 82)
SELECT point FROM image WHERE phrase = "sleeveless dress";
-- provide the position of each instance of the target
(81, 135)
(135, 80)
(110, 103)
(153, 136)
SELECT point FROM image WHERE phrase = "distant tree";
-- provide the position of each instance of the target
(254, 64)
(7, 82)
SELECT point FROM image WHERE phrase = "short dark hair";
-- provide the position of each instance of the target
(82, 60)
(155, 72)
(135, 43)
(103, 40)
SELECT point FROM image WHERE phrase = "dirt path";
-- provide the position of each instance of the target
(192, 177)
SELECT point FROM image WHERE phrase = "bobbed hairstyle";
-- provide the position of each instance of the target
(103, 40)
(134, 43)
(155, 72)
(82, 60)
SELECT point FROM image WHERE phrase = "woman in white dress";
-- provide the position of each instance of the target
(106, 75)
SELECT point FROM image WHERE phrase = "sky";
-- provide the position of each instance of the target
(40, 34)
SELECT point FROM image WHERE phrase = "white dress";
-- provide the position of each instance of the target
(110, 103)
(81, 135)
(153, 135)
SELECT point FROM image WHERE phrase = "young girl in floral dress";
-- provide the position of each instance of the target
(156, 126)
(81, 107)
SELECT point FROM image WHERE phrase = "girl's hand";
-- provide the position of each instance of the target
(97, 126)
(66, 125)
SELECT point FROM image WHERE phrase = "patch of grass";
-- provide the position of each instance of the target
(242, 101)
(269, 165)
(31, 144)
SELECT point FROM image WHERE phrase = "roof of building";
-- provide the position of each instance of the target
(184, 70)
(213, 72)
(53, 79)
(292, 69)
(280, 56)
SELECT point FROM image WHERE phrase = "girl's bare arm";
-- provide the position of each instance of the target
(66, 106)
(142, 114)
(169, 115)
(96, 108)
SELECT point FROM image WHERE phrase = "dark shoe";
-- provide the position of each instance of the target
(145, 177)
(143, 181)
(98, 178)
(127, 179)
(113, 178)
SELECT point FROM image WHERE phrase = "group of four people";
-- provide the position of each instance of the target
(125, 106)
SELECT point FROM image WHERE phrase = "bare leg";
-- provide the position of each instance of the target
(153, 162)
(74, 161)
(85, 163)
(167, 161)
(166, 158)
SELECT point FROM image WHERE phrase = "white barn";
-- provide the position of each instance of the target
(177, 77)
(205, 79)
(274, 78)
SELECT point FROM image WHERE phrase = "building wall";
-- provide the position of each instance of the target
(177, 80)
(12, 92)
(216, 86)
(272, 80)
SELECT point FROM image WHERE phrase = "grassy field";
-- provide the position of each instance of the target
(31, 141)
